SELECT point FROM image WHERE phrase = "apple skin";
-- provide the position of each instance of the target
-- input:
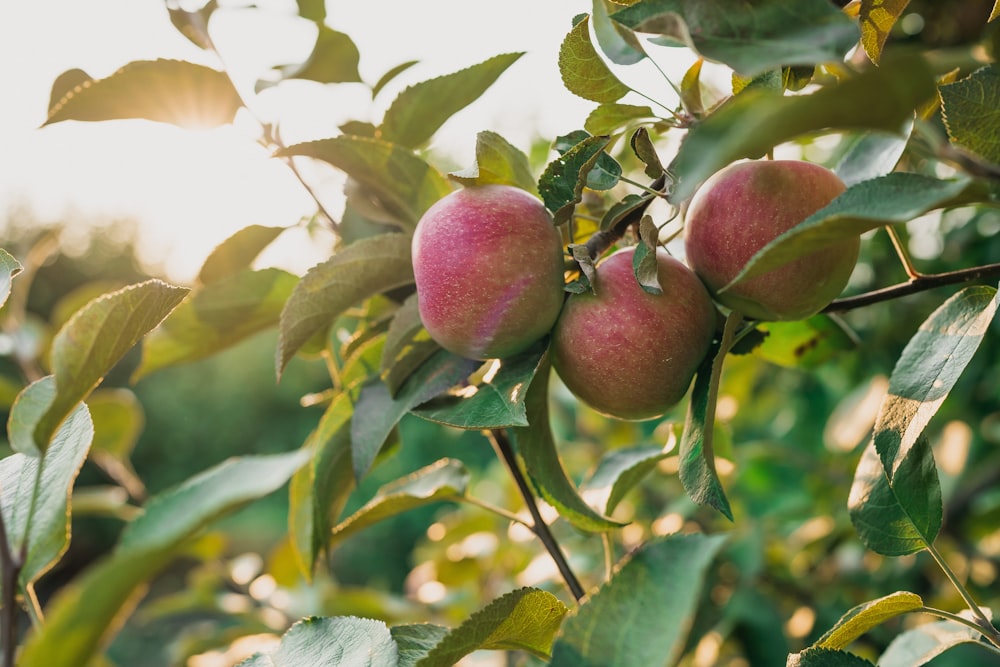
(745, 206)
(630, 354)
(488, 264)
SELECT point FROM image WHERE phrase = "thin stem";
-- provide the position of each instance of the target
(505, 451)
(948, 616)
(920, 284)
(609, 555)
(10, 569)
(645, 188)
(490, 507)
(983, 625)
(34, 607)
(904, 257)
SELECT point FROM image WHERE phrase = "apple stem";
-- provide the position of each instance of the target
(921, 283)
(904, 257)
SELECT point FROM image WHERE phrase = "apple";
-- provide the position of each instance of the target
(630, 354)
(488, 264)
(744, 207)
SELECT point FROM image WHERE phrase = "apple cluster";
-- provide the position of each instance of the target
(489, 267)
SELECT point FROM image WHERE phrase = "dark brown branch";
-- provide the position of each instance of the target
(605, 238)
(919, 284)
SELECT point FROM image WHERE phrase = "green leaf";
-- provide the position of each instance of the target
(923, 643)
(826, 657)
(866, 616)
(752, 123)
(583, 71)
(404, 184)
(629, 205)
(903, 516)
(339, 640)
(876, 18)
(377, 412)
(407, 345)
(334, 59)
(605, 173)
(95, 338)
(35, 491)
(805, 343)
(118, 422)
(526, 619)
(749, 37)
(390, 75)
(216, 317)
(895, 198)
(971, 111)
(644, 264)
(83, 613)
(537, 448)
(9, 267)
(355, 273)
(618, 472)
(871, 155)
(609, 118)
(445, 479)
(166, 91)
(497, 161)
(417, 112)
(193, 25)
(928, 368)
(314, 10)
(618, 43)
(237, 253)
(497, 402)
(561, 186)
(697, 462)
(642, 616)
(643, 148)
(416, 640)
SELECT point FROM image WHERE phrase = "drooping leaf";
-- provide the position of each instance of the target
(753, 122)
(445, 479)
(561, 186)
(497, 161)
(749, 37)
(971, 111)
(334, 59)
(644, 263)
(871, 155)
(416, 640)
(417, 112)
(166, 91)
(583, 71)
(237, 252)
(216, 317)
(193, 25)
(338, 640)
(642, 616)
(617, 42)
(628, 206)
(361, 270)
(866, 616)
(894, 198)
(643, 148)
(118, 422)
(95, 338)
(604, 174)
(314, 10)
(407, 345)
(805, 343)
(9, 267)
(921, 644)
(691, 89)
(35, 491)
(609, 118)
(618, 472)
(526, 619)
(391, 74)
(82, 615)
(826, 657)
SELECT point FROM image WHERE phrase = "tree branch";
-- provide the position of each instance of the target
(921, 283)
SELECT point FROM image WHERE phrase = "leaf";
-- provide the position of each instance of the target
(334, 59)
(118, 422)
(583, 72)
(314, 10)
(805, 343)
(95, 339)
(361, 270)
(561, 186)
(526, 619)
(446, 479)
(497, 161)
(391, 74)
(644, 264)
(643, 148)
(216, 317)
(338, 640)
(377, 412)
(648, 606)
(166, 91)
(604, 174)
(415, 641)
(417, 112)
(403, 183)
(877, 18)
(66, 83)
(928, 368)
(9, 267)
(35, 491)
(628, 206)
(903, 516)
(690, 89)
(618, 43)
(826, 657)
(193, 25)
(894, 198)
(921, 644)
(971, 111)
(753, 122)
(609, 118)
(866, 616)
(407, 345)
(697, 457)
(83, 613)
(237, 253)
(498, 402)
(995, 13)
(871, 155)
(618, 472)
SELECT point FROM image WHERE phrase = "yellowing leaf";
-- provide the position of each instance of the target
(877, 18)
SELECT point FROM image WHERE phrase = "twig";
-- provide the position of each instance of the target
(904, 257)
(913, 286)
(983, 623)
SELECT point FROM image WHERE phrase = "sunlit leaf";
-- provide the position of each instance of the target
(237, 252)
(118, 422)
(921, 644)
(417, 112)
(648, 606)
(691, 89)
(996, 11)
(752, 123)
(360, 270)
(407, 345)
(526, 619)
(338, 640)
(618, 43)
(314, 10)
(9, 267)
(416, 640)
(66, 83)
(618, 472)
(561, 186)
(826, 657)
(877, 18)
(497, 161)
(866, 616)
(391, 74)
(871, 155)
(167, 91)
(805, 343)
(334, 59)
(216, 317)
(193, 25)
(583, 71)
(749, 37)
(96, 337)
(609, 118)
(404, 184)
(971, 111)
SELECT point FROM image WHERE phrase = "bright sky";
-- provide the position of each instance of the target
(190, 190)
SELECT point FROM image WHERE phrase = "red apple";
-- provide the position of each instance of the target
(744, 207)
(488, 263)
(630, 354)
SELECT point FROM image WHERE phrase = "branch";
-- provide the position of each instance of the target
(605, 238)
(919, 284)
